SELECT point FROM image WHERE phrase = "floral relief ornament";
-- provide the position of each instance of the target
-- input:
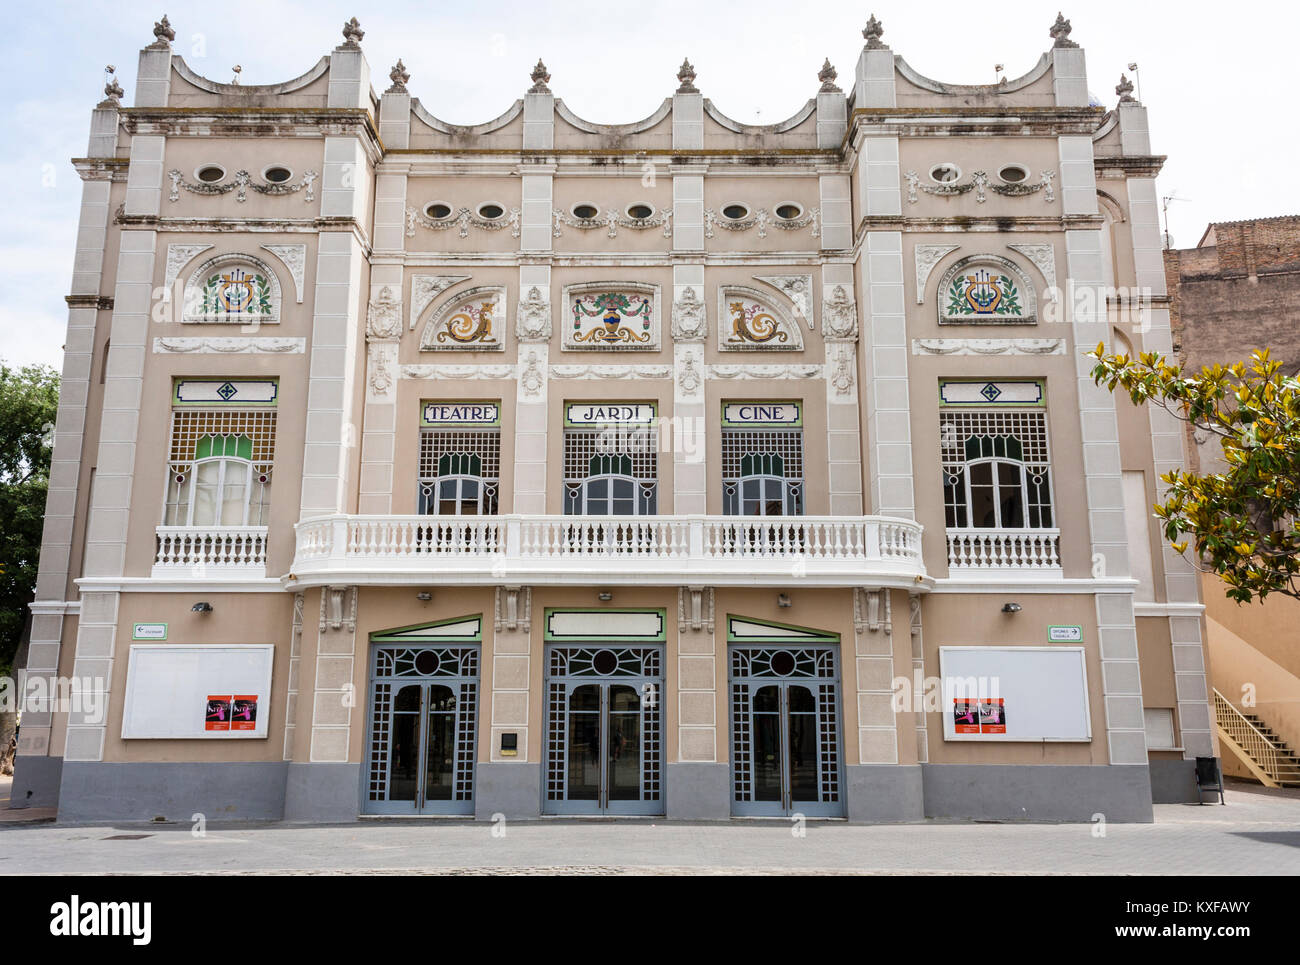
(385, 317)
(689, 321)
(533, 317)
(840, 315)
(240, 184)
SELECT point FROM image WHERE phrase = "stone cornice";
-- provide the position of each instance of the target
(89, 301)
(252, 225)
(1128, 166)
(101, 168)
(947, 121)
(256, 122)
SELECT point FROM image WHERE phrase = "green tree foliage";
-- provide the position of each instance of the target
(29, 401)
(1244, 523)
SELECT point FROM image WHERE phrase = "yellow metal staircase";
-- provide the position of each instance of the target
(1266, 755)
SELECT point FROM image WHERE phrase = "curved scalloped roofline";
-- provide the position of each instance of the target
(1108, 123)
(939, 87)
(591, 127)
(487, 127)
(780, 127)
(214, 87)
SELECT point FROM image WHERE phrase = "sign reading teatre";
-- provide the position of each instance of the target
(461, 414)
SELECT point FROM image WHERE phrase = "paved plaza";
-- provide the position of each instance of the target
(1257, 833)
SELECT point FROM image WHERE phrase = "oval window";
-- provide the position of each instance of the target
(735, 212)
(210, 173)
(788, 211)
(1014, 173)
(640, 211)
(491, 211)
(945, 173)
(585, 211)
(277, 174)
(437, 210)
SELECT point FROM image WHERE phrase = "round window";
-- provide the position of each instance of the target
(788, 211)
(585, 211)
(736, 212)
(945, 173)
(640, 211)
(210, 173)
(427, 662)
(437, 210)
(277, 174)
(783, 663)
(491, 211)
(1014, 173)
(605, 662)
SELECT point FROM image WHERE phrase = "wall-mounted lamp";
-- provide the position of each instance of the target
(424, 596)
(1011, 608)
(604, 596)
(203, 607)
(783, 601)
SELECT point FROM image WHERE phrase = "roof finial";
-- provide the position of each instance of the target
(112, 89)
(540, 79)
(686, 75)
(236, 70)
(1060, 32)
(352, 33)
(163, 34)
(1125, 90)
(827, 76)
(399, 76)
(873, 31)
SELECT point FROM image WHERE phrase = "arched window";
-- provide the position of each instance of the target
(221, 487)
(762, 485)
(995, 488)
(610, 489)
(459, 485)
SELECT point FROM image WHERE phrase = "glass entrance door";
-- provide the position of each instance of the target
(421, 745)
(785, 731)
(603, 730)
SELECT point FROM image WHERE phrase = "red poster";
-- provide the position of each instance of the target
(993, 716)
(965, 715)
(217, 715)
(243, 712)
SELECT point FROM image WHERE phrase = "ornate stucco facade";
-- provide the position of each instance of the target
(672, 467)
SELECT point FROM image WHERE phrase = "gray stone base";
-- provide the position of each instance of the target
(1038, 792)
(698, 792)
(883, 792)
(36, 781)
(322, 792)
(142, 791)
(509, 788)
(1174, 782)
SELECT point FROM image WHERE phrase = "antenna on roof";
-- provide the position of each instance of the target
(1164, 207)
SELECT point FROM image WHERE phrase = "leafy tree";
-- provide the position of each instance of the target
(1245, 522)
(29, 401)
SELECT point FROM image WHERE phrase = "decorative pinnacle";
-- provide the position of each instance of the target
(112, 89)
(540, 78)
(827, 76)
(399, 77)
(352, 33)
(1060, 32)
(873, 31)
(686, 76)
(163, 33)
(1125, 90)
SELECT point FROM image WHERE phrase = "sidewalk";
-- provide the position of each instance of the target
(13, 815)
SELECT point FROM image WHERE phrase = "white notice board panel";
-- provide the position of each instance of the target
(198, 691)
(1043, 694)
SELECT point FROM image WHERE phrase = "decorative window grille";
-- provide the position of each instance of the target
(460, 471)
(611, 471)
(219, 467)
(996, 470)
(762, 472)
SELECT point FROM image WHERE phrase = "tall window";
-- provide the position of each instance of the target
(608, 472)
(459, 471)
(996, 470)
(219, 473)
(762, 472)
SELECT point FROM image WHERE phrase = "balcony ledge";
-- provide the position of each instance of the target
(812, 551)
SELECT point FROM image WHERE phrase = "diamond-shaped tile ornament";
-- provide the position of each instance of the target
(227, 392)
(990, 392)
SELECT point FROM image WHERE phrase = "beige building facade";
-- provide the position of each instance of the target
(680, 467)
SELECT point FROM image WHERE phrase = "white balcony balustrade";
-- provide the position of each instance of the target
(198, 551)
(648, 550)
(1001, 551)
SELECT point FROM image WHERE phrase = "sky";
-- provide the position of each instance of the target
(1216, 78)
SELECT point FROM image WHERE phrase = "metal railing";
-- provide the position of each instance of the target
(1261, 750)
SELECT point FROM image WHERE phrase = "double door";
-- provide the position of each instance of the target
(604, 730)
